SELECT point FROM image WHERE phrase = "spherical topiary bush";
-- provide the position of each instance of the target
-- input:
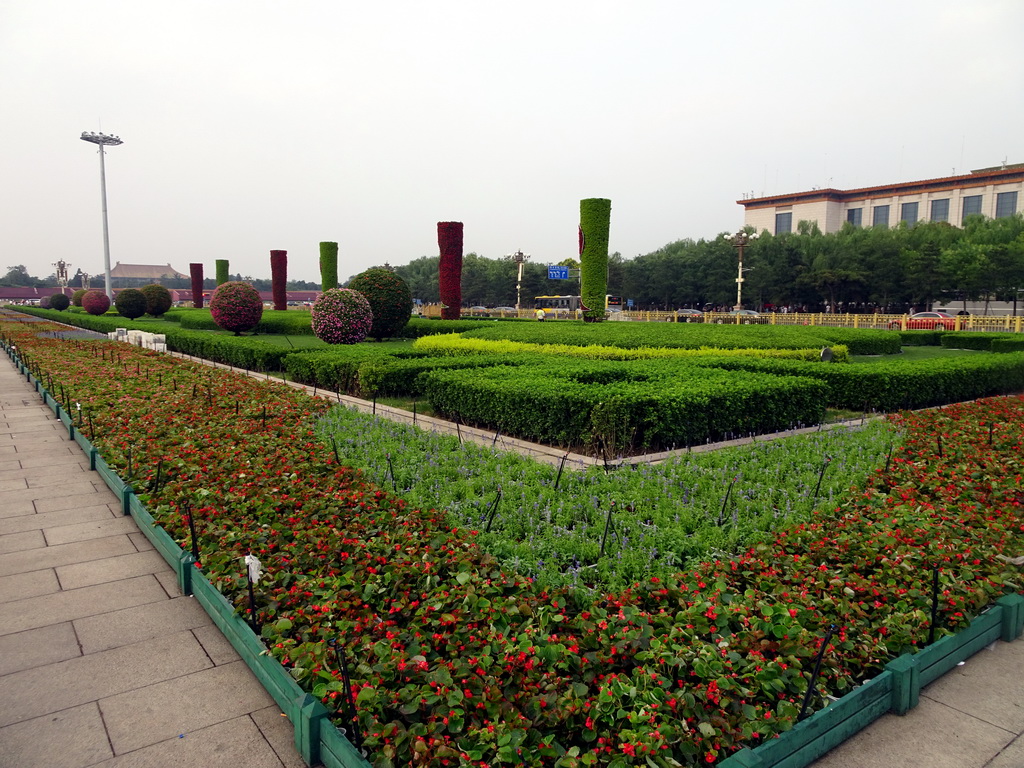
(341, 316)
(236, 307)
(60, 302)
(130, 303)
(158, 299)
(44, 302)
(76, 297)
(390, 300)
(95, 302)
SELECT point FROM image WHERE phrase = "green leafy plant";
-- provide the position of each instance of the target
(389, 297)
(158, 299)
(76, 297)
(221, 267)
(328, 265)
(130, 303)
(60, 302)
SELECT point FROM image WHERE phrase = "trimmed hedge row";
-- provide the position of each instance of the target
(691, 336)
(897, 384)
(624, 407)
(968, 340)
(421, 326)
(286, 322)
(1008, 345)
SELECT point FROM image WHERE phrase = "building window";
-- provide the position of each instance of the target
(908, 213)
(783, 223)
(940, 210)
(880, 216)
(853, 215)
(1006, 204)
(972, 206)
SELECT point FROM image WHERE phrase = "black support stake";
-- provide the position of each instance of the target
(814, 674)
(493, 511)
(820, 476)
(607, 527)
(192, 532)
(561, 466)
(935, 604)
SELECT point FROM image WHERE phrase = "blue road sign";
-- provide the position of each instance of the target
(629, 302)
(558, 273)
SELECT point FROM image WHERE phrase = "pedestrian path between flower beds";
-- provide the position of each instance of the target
(102, 661)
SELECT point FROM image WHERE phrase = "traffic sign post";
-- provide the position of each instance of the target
(558, 273)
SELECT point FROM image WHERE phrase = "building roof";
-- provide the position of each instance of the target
(18, 292)
(978, 178)
(144, 271)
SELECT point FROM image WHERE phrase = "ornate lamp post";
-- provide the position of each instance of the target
(103, 140)
(740, 241)
(519, 258)
(62, 274)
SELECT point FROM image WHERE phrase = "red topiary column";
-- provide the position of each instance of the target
(196, 270)
(279, 278)
(449, 240)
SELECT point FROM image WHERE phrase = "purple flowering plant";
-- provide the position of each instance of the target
(342, 316)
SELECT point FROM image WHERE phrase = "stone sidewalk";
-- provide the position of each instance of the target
(102, 661)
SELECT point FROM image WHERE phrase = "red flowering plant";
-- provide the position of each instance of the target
(236, 306)
(279, 278)
(341, 316)
(196, 273)
(455, 661)
(449, 241)
(95, 302)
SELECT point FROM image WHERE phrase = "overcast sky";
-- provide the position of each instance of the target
(256, 125)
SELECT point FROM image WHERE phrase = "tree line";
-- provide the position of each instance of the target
(854, 269)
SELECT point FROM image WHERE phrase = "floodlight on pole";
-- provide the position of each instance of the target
(519, 258)
(740, 241)
(103, 140)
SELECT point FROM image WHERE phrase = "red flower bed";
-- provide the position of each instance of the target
(457, 663)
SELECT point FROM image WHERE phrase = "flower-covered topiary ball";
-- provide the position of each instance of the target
(60, 302)
(390, 300)
(236, 306)
(342, 316)
(95, 302)
(130, 303)
(158, 299)
(76, 297)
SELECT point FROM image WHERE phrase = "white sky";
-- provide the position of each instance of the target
(257, 125)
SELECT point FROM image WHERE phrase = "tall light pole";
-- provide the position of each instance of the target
(740, 241)
(103, 140)
(519, 258)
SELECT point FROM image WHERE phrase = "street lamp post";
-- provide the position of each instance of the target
(519, 258)
(103, 140)
(740, 241)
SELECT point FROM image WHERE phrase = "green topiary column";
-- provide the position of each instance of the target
(328, 265)
(595, 218)
(222, 271)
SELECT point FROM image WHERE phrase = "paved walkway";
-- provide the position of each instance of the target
(102, 661)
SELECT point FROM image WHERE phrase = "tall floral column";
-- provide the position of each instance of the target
(221, 266)
(279, 278)
(328, 265)
(595, 218)
(449, 240)
(196, 271)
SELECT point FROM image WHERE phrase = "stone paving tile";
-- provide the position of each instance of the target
(142, 544)
(99, 494)
(16, 484)
(71, 738)
(37, 477)
(37, 647)
(46, 520)
(78, 552)
(139, 623)
(16, 509)
(71, 491)
(111, 569)
(32, 428)
(24, 585)
(230, 744)
(1012, 755)
(24, 451)
(278, 730)
(970, 688)
(8, 464)
(931, 735)
(55, 461)
(41, 690)
(18, 542)
(93, 529)
(142, 717)
(78, 603)
(216, 645)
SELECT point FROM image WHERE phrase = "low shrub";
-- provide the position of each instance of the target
(236, 306)
(921, 338)
(422, 326)
(972, 340)
(130, 303)
(341, 316)
(390, 300)
(60, 302)
(76, 297)
(95, 302)
(1008, 345)
(158, 299)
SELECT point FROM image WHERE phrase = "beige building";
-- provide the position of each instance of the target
(993, 192)
(136, 275)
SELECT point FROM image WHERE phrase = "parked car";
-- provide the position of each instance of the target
(504, 309)
(747, 317)
(689, 316)
(928, 321)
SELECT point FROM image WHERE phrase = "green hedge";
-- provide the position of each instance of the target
(896, 384)
(1008, 345)
(972, 340)
(284, 322)
(624, 407)
(921, 338)
(338, 369)
(386, 376)
(691, 336)
(421, 326)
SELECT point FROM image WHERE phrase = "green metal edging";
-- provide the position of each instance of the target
(336, 751)
(896, 690)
